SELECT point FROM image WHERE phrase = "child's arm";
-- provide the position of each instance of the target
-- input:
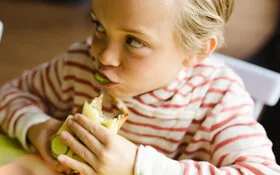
(26, 109)
(45, 92)
(24, 102)
(36, 98)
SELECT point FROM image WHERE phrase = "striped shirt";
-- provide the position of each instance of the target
(201, 123)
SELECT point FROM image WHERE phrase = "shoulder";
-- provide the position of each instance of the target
(77, 63)
(211, 83)
(214, 73)
(78, 56)
(80, 48)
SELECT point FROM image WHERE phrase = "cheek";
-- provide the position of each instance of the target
(133, 70)
(157, 73)
(143, 74)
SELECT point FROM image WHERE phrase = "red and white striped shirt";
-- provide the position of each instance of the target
(201, 123)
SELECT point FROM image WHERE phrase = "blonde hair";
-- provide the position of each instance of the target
(199, 20)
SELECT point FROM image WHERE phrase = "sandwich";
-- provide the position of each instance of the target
(93, 110)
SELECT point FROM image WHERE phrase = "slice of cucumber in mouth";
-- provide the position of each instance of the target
(101, 78)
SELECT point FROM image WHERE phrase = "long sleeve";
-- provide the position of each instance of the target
(46, 91)
(152, 162)
(251, 160)
(225, 141)
(246, 153)
(26, 100)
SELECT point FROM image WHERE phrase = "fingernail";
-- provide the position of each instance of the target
(64, 135)
(69, 122)
(61, 158)
(76, 117)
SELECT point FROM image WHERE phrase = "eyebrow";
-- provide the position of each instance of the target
(134, 31)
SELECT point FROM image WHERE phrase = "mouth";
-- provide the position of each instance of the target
(101, 78)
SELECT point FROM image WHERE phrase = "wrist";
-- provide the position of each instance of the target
(32, 134)
(150, 161)
(42, 132)
(31, 117)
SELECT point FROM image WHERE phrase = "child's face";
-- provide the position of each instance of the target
(135, 44)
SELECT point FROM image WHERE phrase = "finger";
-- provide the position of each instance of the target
(56, 165)
(80, 167)
(51, 161)
(80, 149)
(85, 136)
(97, 130)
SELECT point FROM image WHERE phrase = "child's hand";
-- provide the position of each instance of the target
(105, 153)
(40, 136)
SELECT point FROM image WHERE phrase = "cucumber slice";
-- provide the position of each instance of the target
(101, 78)
(58, 147)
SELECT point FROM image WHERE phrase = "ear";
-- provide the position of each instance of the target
(210, 46)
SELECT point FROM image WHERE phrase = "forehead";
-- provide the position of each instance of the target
(135, 12)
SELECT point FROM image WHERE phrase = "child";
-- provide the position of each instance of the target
(189, 113)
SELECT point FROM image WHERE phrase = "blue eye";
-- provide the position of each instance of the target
(98, 27)
(134, 42)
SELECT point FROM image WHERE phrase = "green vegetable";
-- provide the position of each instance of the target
(58, 147)
(101, 78)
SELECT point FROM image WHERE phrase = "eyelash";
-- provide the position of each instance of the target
(129, 37)
(97, 24)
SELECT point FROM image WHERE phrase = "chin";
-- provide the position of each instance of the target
(122, 94)
(118, 94)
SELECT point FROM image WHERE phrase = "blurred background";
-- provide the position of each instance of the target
(35, 31)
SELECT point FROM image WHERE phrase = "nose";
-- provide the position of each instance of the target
(109, 57)
(107, 53)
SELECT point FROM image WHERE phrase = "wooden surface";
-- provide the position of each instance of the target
(35, 32)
